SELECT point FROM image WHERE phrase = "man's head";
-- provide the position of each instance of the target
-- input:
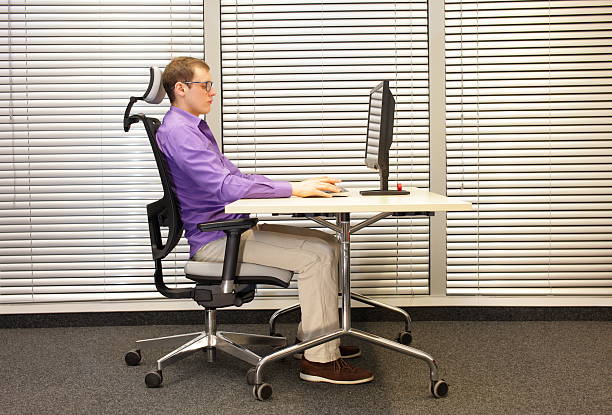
(188, 83)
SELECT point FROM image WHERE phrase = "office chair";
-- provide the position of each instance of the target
(217, 285)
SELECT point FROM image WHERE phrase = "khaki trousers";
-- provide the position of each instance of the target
(311, 254)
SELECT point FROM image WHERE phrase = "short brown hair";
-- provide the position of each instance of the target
(180, 70)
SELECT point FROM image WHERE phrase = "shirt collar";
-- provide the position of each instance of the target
(188, 117)
(197, 122)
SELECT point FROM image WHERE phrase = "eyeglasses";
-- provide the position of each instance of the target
(207, 84)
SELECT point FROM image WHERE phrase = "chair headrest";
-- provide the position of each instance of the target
(155, 91)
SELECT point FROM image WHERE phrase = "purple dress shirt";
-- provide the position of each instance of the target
(204, 179)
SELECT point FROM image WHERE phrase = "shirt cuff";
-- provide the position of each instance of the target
(284, 189)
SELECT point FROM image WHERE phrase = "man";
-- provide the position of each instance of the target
(206, 181)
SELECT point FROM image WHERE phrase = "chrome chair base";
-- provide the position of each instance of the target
(210, 341)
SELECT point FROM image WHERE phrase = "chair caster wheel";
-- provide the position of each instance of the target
(154, 379)
(250, 376)
(262, 392)
(405, 338)
(133, 357)
(439, 389)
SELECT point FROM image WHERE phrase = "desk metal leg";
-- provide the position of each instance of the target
(345, 268)
(263, 391)
(439, 388)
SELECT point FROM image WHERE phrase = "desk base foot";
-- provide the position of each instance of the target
(362, 299)
(376, 303)
(257, 378)
(263, 391)
(390, 344)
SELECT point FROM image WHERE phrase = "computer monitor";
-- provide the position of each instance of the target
(380, 136)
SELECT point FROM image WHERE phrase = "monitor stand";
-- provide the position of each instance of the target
(383, 192)
(384, 188)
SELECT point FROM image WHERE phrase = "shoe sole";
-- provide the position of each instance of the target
(299, 356)
(312, 378)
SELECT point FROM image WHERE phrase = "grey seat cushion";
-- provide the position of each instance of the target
(210, 272)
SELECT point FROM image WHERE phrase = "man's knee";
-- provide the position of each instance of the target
(326, 252)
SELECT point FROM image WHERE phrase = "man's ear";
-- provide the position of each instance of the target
(179, 89)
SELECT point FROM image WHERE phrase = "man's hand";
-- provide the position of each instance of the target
(315, 186)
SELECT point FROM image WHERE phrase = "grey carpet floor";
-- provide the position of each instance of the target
(491, 367)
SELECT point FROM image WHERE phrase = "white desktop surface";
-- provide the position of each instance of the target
(419, 200)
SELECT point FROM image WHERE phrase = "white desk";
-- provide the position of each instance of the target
(419, 202)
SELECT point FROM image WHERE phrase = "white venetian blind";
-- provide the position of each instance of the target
(73, 185)
(529, 136)
(296, 81)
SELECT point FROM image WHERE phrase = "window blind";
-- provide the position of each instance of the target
(296, 81)
(74, 186)
(529, 142)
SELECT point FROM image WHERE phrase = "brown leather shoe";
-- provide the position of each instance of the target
(346, 352)
(338, 372)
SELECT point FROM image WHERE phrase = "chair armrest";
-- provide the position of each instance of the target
(228, 225)
(233, 229)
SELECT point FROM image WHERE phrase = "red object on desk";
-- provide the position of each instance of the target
(399, 186)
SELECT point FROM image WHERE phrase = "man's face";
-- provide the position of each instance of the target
(197, 99)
